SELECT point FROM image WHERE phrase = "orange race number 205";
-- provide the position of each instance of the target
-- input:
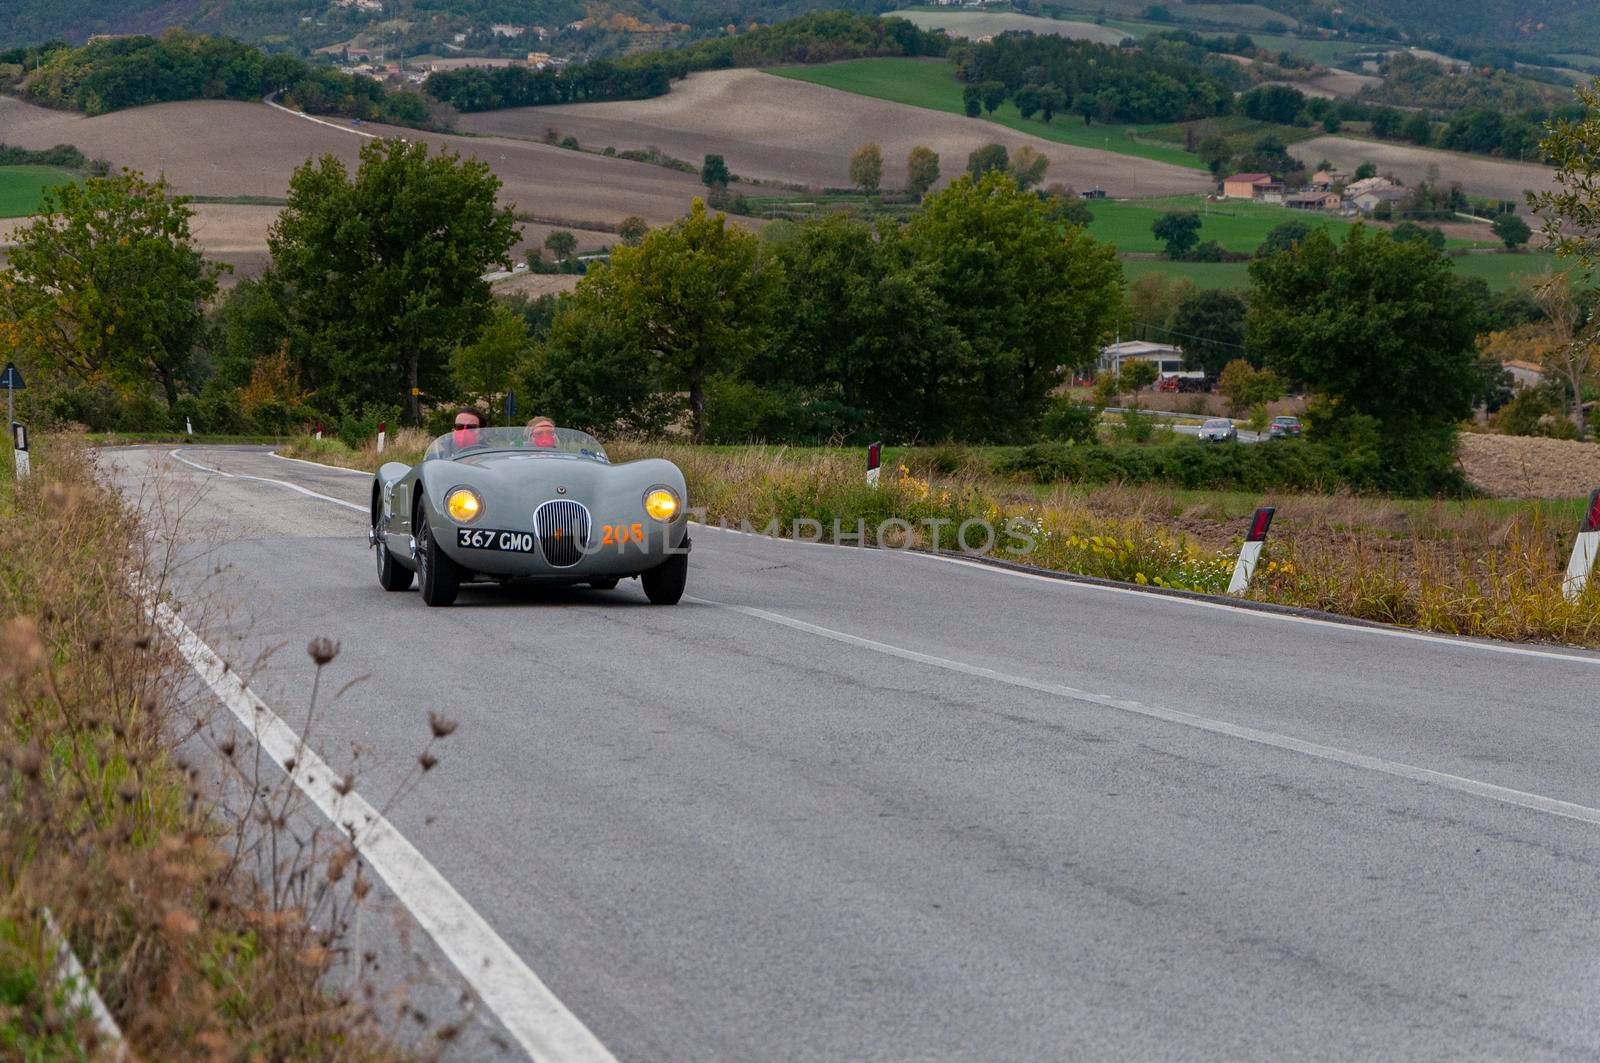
(613, 534)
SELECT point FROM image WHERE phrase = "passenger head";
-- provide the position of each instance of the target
(542, 432)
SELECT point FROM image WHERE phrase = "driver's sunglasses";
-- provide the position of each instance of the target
(466, 424)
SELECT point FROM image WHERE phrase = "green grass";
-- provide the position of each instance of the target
(1501, 271)
(1238, 225)
(21, 187)
(932, 83)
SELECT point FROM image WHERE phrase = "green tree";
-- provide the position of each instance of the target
(857, 322)
(1052, 101)
(866, 168)
(1247, 387)
(485, 368)
(693, 297)
(1570, 215)
(994, 94)
(1215, 153)
(593, 371)
(105, 284)
(1209, 325)
(922, 171)
(1419, 130)
(1031, 299)
(1028, 167)
(1386, 122)
(972, 101)
(1431, 235)
(714, 172)
(385, 267)
(1283, 236)
(989, 157)
(1028, 101)
(1136, 375)
(1385, 332)
(1179, 230)
(561, 243)
(1512, 231)
(633, 230)
(1364, 171)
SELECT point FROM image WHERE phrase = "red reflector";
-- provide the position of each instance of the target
(1591, 522)
(873, 453)
(1259, 524)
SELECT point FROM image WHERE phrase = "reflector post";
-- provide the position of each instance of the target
(1585, 549)
(874, 458)
(1259, 524)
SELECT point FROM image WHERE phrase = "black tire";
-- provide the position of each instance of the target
(663, 585)
(392, 575)
(438, 576)
(604, 584)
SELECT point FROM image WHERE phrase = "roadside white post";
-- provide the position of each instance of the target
(874, 457)
(382, 434)
(19, 449)
(1584, 551)
(319, 429)
(188, 425)
(1250, 552)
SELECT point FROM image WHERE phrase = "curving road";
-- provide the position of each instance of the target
(861, 805)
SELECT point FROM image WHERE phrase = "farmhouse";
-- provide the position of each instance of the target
(1167, 358)
(1524, 374)
(1249, 186)
(1313, 200)
(1368, 201)
(1365, 185)
(1323, 180)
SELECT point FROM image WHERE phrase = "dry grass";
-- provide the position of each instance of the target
(212, 932)
(779, 129)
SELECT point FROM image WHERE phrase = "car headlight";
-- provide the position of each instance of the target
(464, 505)
(661, 503)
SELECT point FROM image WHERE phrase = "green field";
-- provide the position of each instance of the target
(932, 83)
(21, 187)
(1237, 225)
(1501, 271)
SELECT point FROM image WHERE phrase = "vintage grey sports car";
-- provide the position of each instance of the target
(546, 504)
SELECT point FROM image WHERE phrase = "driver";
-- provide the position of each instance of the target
(467, 424)
(542, 432)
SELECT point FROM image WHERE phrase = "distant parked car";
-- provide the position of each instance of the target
(1284, 428)
(1218, 430)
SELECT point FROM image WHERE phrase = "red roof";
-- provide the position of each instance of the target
(1252, 178)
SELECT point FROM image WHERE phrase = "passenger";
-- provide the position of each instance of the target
(466, 428)
(542, 432)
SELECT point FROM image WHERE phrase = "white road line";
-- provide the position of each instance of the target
(1445, 780)
(318, 464)
(267, 480)
(1241, 611)
(532, 1014)
(1390, 632)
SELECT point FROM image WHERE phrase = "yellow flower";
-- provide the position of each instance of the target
(1138, 578)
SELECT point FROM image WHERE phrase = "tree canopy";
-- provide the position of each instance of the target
(386, 266)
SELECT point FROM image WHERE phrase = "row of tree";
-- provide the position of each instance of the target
(119, 72)
(818, 38)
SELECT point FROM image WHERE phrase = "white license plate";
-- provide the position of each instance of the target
(511, 542)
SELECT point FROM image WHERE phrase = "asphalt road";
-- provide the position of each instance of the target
(862, 805)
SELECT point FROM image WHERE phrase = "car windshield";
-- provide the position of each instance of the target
(1218, 422)
(463, 442)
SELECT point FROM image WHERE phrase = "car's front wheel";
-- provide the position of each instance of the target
(438, 576)
(663, 585)
(392, 575)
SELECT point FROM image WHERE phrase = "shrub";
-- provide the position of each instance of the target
(1067, 420)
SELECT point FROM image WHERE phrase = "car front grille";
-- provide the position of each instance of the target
(563, 530)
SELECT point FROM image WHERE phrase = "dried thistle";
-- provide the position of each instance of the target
(427, 760)
(442, 728)
(322, 650)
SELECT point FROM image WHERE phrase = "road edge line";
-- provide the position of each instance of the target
(266, 480)
(317, 464)
(533, 1015)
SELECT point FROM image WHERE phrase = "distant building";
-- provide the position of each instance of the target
(1368, 201)
(1524, 374)
(1095, 193)
(502, 29)
(1323, 180)
(1313, 200)
(1167, 358)
(1248, 185)
(1365, 185)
